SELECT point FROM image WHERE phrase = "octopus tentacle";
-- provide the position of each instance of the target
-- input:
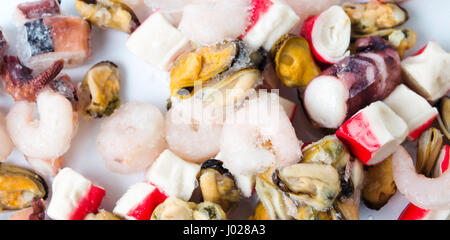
(19, 82)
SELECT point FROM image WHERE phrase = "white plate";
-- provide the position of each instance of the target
(142, 82)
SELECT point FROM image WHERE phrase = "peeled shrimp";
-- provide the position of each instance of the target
(426, 193)
(193, 130)
(131, 138)
(6, 145)
(43, 141)
(258, 136)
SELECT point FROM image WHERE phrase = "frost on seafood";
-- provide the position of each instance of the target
(132, 138)
(43, 141)
(259, 136)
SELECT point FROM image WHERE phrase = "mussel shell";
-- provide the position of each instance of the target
(217, 184)
(444, 116)
(294, 64)
(248, 58)
(216, 165)
(428, 148)
(200, 65)
(39, 187)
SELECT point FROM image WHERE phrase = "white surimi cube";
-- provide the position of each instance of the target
(72, 195)
(173, 175)
(278, 20)
(429, 72)
(139, 202)
(415, 110)
(157, 41)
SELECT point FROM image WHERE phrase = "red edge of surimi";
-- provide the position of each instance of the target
(420, 50)
(445, 162)
(361, 148)
(144, 210)
(258, 8)
(416, 132)
(412, 212)
(89, 203)
(293, 113)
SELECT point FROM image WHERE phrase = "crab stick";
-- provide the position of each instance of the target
(328, 34)
(413, 108)
(74, 196)
(269, 20)
(174, 176)
(157, 42)
(139, 202)
(373, 133)
(428, 72)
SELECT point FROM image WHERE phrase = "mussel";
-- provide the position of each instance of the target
(374, 15)
(294, 64)
(316, 185)
(100, 90)
(217, 184)
(18, 187)
(101, 215)
(402, 39)
(276, 204)
(379, 185)
(209, 211)
(428, 147)
(259, 213)
(345, 210)
(328, 150)
(108, 14)
(233, 89)
(200, 65)
(444, 116)
(176, 209)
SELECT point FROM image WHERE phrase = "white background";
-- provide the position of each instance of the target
(141, 82)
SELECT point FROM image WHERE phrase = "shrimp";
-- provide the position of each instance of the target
(194, 133)
(131, 138)
(259, 136)
(43, 141)
(6, 145)
(426, 193)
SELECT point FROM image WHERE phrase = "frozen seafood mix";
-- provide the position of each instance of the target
(227, 137)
